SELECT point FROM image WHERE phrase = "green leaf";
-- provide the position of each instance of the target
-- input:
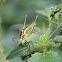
(23, 50)
(43, 41)
(48, 57)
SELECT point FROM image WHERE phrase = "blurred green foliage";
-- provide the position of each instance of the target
(14, 10)
(14, 13)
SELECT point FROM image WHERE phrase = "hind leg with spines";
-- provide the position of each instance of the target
(35, 22)
(29, 46)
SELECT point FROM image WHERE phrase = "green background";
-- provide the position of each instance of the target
(14, 13)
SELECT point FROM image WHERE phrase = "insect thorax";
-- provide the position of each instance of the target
(27, 31)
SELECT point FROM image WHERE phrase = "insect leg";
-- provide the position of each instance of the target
(25, 21)
(29, 46)
(36, 18)
(42, 17)
(38, 31)
(15, 42)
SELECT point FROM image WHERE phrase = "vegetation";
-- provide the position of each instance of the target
(44, 48)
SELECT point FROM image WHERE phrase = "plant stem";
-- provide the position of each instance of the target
(56, 32)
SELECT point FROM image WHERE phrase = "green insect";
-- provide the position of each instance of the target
(27, 31)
